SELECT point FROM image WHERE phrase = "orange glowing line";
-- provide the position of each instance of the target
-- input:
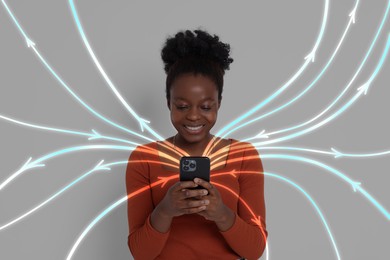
(236, 148)
(153, 151)
(154, 162)
(208, 147)
(235, 160)
(174, 149)
(164, 180)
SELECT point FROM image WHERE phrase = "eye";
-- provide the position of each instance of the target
(181, 107)
(206, 108)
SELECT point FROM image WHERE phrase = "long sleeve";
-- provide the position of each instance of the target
(144, 241)
(247, 236)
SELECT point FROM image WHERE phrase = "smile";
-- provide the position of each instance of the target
(194, 129)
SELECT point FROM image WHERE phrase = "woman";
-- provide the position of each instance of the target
(225, 219)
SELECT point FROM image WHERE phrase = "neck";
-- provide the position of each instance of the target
(194, 149)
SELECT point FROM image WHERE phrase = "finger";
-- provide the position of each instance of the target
(206, 185)
(193, 210)
(185, 184)
(186, 193)
(195, 203)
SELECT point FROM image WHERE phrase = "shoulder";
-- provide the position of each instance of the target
(144, 150)
(244, 147)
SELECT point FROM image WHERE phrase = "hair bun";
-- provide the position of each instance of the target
(198, 44)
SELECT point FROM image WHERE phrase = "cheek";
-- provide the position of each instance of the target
(175, 117)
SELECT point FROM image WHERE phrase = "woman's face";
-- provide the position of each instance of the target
(194, 106)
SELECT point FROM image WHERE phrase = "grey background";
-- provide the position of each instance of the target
(269, 41)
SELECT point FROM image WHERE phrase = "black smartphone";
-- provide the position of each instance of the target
(194, 166)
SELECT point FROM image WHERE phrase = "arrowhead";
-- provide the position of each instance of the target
(364, 87)
(233, 173)
(356, 185)
(353, 15)
(311, 56)
(30, 43)
(262, 135)
(257, 221)
(29, 165)
(95, 135)
(337, 154)
(143, 122)
(164, 180)
(100, 167)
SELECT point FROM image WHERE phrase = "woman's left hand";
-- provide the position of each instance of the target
(215, 210)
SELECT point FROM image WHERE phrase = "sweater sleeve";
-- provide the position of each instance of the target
(248, 236)
(144, 241)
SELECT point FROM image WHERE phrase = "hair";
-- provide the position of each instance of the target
(199, 53)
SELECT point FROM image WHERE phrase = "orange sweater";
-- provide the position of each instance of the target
(191, 236)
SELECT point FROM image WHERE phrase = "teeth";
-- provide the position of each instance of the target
(194, 128)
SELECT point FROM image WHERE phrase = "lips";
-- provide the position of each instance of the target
(194, 129)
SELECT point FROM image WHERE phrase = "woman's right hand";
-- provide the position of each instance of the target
(180, 200)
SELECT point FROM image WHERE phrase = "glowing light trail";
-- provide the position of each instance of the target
(31, 44)
(98, 167)
(38, 162)
(124, 199)
(362, 89)
(308, 59)
(335, 153)
(91, 136)
(142, 122)
(355, 185)
(262, 135)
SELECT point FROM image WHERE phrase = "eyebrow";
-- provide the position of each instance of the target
(205, 99)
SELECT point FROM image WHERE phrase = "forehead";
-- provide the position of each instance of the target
(193, 87)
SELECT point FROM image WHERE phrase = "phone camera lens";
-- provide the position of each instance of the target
(192, 165)
(186, 168)
(186, 162)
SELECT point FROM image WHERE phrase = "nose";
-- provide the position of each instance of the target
(193, 114)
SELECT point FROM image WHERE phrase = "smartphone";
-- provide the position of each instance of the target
(194, 166)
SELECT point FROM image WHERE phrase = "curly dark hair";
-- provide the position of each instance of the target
(199, 53)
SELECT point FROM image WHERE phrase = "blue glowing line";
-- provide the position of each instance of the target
(124, 199)
(361, 90)
(31, 44)
(261, 135)
(355, 185)
(141, 121)
(340, 154)
(335, 152)
(37, 162)
(309, 58)
(348, 85)
(98, 167)
(91, 136)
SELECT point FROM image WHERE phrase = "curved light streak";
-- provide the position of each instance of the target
(38, 162)
(143, 123)
(124, 199)
(355, 185)
(351, 20)
(335, 153)
(91, 136)
(346, 88)
(308, 58)
(98, 167)
(341, 154)
(31, 44)
(361, 90)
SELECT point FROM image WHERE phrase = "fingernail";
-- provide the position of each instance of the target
(196, 180)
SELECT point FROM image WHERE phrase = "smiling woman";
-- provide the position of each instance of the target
(225, 218)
